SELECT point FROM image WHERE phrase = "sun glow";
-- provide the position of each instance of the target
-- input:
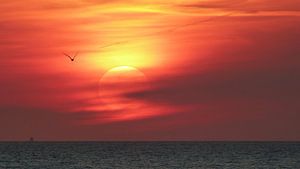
(125, 42)
(138, 53)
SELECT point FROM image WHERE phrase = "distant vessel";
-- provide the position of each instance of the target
(31, 139)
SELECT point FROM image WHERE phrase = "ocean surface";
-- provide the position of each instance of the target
(159, 155)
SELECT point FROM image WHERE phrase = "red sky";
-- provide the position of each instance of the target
(150, 70)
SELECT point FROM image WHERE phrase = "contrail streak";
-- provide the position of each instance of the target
(176, 28)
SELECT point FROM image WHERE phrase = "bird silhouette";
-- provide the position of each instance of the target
(70, 57)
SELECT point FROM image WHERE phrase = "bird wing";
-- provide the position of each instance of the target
(68, 56)
(75, 55)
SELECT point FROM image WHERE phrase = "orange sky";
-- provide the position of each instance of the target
(174, 70)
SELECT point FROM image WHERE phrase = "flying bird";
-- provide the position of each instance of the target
(72, 58)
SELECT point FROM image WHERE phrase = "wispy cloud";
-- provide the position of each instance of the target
(212, 65)
(246, 5)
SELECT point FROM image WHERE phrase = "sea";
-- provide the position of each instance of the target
(148, 155)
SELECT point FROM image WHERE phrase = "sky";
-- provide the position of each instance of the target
(150, 70)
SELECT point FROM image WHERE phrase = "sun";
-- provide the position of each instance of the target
(124, 74)
(119, 81)
(124, 69)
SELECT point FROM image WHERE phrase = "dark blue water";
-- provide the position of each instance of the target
(138, 155)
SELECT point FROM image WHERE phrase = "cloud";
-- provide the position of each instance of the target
(215, 4)
(244, 84)
(262, 68)
(227, 77)
(246, 5)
